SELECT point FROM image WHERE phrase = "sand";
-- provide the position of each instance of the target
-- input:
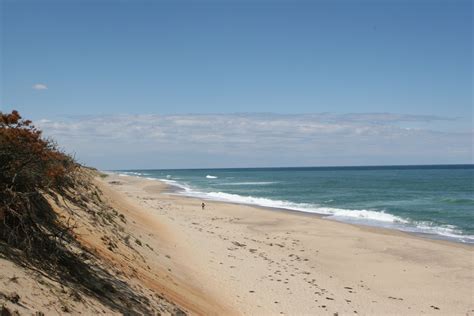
(231, 259)
(112, 270)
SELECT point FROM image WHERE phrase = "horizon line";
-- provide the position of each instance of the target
(471, 165)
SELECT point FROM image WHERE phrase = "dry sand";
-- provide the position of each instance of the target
(238, 259)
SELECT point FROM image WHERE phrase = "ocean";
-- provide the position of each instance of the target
(436, 201)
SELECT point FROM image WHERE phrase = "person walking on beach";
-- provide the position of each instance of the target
(203, 205)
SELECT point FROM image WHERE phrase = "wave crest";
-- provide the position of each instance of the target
(366, 217)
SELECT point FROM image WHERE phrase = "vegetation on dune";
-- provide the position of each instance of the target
(30, 166)
(37, 179)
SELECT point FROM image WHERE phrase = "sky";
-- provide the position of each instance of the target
(189, 84)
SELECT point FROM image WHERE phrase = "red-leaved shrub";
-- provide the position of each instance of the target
(29, 167)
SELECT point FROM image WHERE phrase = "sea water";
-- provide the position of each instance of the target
(434, 200)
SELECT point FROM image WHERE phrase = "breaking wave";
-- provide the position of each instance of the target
(359, 216)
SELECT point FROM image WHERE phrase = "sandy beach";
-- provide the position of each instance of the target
(239, 259)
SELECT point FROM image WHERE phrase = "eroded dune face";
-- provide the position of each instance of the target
(102, 268)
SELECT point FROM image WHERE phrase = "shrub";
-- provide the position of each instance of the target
(30, 166)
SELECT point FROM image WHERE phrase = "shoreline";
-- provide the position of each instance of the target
(177, 190)
(257, 261)
(379, 229)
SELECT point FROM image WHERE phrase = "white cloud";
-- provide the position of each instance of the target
(221, 140)
(40, 86)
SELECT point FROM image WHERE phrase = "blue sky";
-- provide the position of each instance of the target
(64, 61)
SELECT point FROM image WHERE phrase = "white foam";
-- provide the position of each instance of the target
(301, 207)
(449, 231)
(379, 216)
(235, 198)
(211, 177)
(366, 217)
(176, 184)
(133, 173)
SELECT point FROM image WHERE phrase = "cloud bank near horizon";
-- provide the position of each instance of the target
(258, 140)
